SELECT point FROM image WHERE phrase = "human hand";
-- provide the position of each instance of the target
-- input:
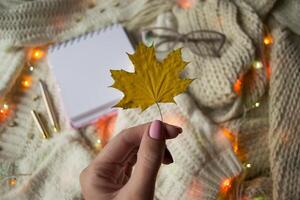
(110, 175)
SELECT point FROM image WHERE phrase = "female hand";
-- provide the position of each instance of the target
(110, 175)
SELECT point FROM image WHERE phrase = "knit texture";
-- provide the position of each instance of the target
(284, 114)
(267, 135)
(287, 13)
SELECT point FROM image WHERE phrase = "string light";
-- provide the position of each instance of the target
(186, 4)
(105, 126)
(26, 81)
(237, 86)
(248, 165)
(5, 106)
(268, 40)
(98, 145)
(226, 185)
(5, 111)
(257, 104)
(37, 54)
(257, 64)
(12, 181)
(31, 68)
(231, 137)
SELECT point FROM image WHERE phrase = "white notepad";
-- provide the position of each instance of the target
(82, 67)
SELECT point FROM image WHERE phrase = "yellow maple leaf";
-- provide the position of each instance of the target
(152, 82)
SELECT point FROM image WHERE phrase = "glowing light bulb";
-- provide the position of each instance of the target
(257, 64)
(248, 165)
(257, 104)
(31, 68)
(26, 81)
(232, 138)
(237, 86)
(226, 185)
(98, 145)
(268, 40)
(12, 181)
(37, 54)
(5, 106)
(5, 111)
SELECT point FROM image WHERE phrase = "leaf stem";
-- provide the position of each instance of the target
(161, 116)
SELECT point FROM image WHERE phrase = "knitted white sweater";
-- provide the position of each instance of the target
(267, 133)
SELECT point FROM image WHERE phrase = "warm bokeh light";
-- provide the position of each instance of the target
(31, 68)
(232, 138)
(98, 145)
(105, 127)
(268, 40)
(186, 4)
(26, 81)
(237, 86)
(257, 64)
(226, 185)
(12, 181)
(5, 111)
(37, 54)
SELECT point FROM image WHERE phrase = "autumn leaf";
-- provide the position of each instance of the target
(152, 82)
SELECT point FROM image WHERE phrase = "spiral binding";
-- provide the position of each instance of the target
(84, 36)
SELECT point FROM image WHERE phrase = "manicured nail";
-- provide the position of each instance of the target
(155, 130)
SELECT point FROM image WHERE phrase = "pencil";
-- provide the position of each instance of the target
(49, 106)
(39, 123)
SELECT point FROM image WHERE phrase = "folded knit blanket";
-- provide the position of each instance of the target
(267, 134)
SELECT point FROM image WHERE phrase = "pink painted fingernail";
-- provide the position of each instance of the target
(155, 130)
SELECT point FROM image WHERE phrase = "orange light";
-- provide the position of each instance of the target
(37, 54)
(12, 181)
(5, 111)
(26, 81)
(105, 127)
(268, 40)
(237, 86)
(226, 185)
(186, 4)
(231, 137)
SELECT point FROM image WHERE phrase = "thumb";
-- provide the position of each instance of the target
(149, 158)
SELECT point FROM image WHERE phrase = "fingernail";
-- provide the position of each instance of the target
(155, 130)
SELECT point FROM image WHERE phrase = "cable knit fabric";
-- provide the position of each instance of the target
(267, 135)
